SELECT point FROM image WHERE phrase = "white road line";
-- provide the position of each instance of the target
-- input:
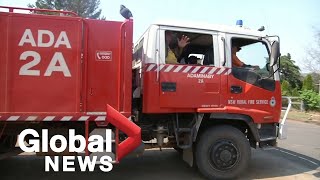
(298, 157)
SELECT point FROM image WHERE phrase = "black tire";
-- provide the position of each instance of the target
(222, 152)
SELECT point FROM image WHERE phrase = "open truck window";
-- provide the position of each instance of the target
(199, 51)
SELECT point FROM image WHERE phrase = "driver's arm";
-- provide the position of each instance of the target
(236, 62)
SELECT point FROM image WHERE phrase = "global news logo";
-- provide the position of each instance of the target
(73, 144)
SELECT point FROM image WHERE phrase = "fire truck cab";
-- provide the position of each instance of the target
(205, 105)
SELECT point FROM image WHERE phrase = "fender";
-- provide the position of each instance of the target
(225, 116)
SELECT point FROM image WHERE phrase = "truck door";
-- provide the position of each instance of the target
(106, 71)
(251, 87)
(195, 81)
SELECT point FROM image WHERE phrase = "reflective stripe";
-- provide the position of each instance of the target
(66, 118)
(49, 118)
(228, 72)
(150, 67)
(169, 68)
(204, 70)
(196, 69)
(100, 118)
(160, 67)
(187, 69)
(84, 118)
(212, 70)
(221, 70)
(31, 118)
(13, 118)
(178, 69)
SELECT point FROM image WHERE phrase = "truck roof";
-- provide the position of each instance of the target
(211, 27)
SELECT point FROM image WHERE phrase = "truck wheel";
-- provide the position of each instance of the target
(222, 152)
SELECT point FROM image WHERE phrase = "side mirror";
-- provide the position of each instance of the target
(268, 67)
(275, 53)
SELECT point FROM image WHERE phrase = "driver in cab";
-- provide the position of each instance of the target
(236, 62)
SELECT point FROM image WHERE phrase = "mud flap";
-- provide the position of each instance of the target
(187, 156)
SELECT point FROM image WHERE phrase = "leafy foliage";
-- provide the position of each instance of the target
(84, 8)
(285, 87)
(316, 80)
(311, 99)
(307, 83)
(295, 92)
(290, 72)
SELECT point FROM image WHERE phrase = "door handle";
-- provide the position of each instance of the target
(236, 89)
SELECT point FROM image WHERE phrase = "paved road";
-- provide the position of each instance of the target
(303, 138)
(296, 158)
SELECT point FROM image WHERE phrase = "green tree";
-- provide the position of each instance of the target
(295, 92)
(84, 8)
(308, 83)
(290, 72)
(285, 88)
(316, 80)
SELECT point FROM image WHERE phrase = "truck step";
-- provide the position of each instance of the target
(181, 130)
(268, 138)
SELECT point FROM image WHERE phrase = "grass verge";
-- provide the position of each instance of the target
(309, 117)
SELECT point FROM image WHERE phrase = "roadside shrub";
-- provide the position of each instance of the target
(311, 99)
(295, 92)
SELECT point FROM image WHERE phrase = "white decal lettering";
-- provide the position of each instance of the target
(58, 57)
(41, 33)
(63, 40)
(25, 69)
(27, 37)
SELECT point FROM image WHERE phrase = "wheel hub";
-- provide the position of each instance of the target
(224, 155)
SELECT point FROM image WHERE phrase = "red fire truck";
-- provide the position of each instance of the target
(61, 71)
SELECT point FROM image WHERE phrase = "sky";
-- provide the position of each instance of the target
(295, 21)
